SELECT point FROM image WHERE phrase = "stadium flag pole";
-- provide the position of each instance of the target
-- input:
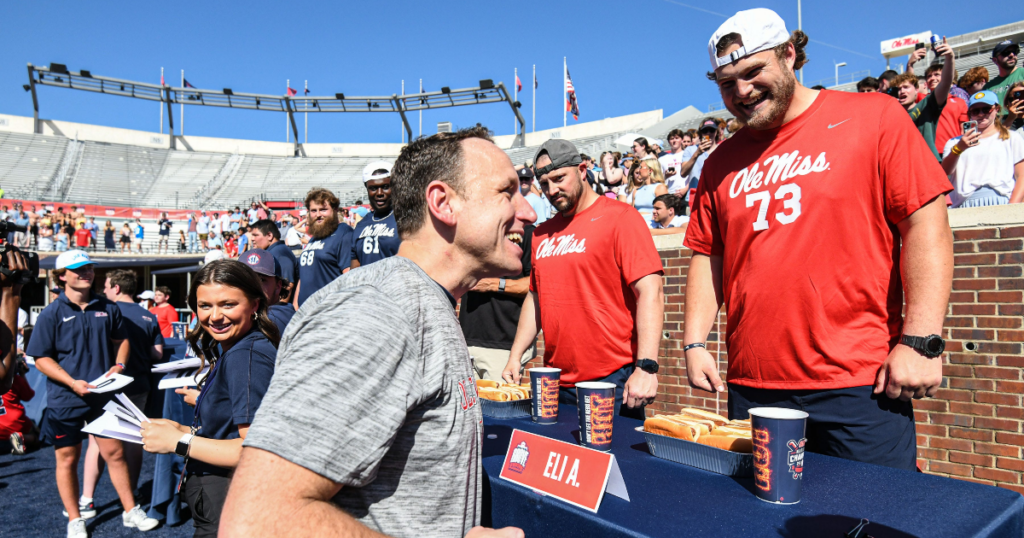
(533, 125)
(305, 115)
(182, 115)
(800, 26)
(287, 132)
(515, 97)
(565, 94)
(403, 123)
(421, 111)
(161, 102)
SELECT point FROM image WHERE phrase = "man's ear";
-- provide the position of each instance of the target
(442, 202)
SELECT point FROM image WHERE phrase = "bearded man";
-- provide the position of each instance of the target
(329, 252)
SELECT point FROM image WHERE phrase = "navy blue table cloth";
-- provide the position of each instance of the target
(165, 504)
(670, 499)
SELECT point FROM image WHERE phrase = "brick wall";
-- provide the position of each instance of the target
(972, 429)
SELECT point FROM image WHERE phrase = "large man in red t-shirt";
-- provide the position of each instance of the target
(810, 225)
(595, 288)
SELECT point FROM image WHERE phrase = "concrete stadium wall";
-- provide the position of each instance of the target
(972, 429)
(114, 135)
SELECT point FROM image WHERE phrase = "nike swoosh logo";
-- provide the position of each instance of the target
(66, 319)
(595, 218)
(838, 124)
(61, 436)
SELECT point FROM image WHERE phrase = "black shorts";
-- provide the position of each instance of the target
(63, 426)
(850, 423)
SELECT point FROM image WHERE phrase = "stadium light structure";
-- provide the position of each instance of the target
(61, 77)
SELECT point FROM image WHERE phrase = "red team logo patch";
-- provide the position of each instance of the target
(468, 396)
(254, 259)
(521, 453)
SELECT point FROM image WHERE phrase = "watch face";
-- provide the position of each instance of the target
(934, 345)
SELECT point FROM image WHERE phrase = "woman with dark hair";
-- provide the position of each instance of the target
(238, 341)
(108, 237)
(612, 178)
(643, 150)
(126, 237)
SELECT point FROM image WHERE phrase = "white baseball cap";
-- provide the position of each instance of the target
(148, 294)
(368, 171)
(73, 259)
(761, 29)
(214, 255)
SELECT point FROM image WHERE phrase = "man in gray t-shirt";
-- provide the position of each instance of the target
(372, 420)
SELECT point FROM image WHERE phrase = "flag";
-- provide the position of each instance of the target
(519, 85)
(571, 105)
(161, 79)
(535, 81)
(188, 84)
(307, 92)
(292, 93)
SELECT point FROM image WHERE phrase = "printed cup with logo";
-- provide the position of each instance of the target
(779, 441)
(595, 401)
(544, 386)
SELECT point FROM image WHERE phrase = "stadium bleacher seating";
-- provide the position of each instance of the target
(28, 164)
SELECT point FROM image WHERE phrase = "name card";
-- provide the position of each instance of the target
(572, 473)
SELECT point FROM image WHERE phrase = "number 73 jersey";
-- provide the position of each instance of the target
(804, 217)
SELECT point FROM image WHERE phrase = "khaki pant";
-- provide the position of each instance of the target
(488, 363)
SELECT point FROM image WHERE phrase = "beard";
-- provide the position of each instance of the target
(1007, 63)
(777, 97)
(568, 200)
(322, 230)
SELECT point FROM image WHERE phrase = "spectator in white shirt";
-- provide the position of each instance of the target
(985, 165)
(203, 229)
(672, 163)
(665, 220)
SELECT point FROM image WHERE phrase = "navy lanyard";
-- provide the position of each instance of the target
(196, 422)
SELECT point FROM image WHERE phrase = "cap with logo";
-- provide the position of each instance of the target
(985, 97)
(562, 154)
(1004, 46)
(708, 124)
(761, 29)
(148, 294)
(73, 259)
(262, 262)
(370, 169)
(525, 174)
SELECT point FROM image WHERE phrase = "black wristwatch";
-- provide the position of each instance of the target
(647, 365)
(181, 448)
(930, 346)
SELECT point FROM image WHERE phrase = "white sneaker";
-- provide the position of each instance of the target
(76, 528)
(137, 518)
(86, 510)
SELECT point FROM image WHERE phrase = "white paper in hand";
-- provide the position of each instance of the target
(173, 366)
(121, 413)
(131, 407)
(109, 425)
(110, 382)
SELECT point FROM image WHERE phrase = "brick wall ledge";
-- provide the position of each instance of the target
(669, 242)
(999, 215)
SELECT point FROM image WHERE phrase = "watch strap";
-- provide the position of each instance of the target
(916, 342)
(183, 445)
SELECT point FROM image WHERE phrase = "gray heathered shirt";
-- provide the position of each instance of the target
(374, 389)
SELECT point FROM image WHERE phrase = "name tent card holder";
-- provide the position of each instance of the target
(577, 475)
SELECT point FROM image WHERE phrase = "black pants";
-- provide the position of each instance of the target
(205, 496)
(851, 423)
(617, 378)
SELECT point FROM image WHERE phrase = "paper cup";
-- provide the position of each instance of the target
(595, 401)
(778, 453)
(544, 386)
(179, 330)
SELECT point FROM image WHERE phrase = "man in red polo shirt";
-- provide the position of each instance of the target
(595, 287)
(810, 224)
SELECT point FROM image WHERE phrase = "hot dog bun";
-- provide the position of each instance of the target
(672, 427)
(494, 394)
(700, 414)
(728, 442)
(487, 383)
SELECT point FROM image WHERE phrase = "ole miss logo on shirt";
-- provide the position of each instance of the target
(468, 396)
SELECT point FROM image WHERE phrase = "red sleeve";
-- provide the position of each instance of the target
(948, 127)
(172, 315)
(22, 389)
(635, 252)
(703, 234)
(910, 175)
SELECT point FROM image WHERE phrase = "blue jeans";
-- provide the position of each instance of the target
(193, 241)
(618, 378)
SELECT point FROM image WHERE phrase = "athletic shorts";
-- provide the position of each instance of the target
(202, 237)
(63, 426)
(850, 423)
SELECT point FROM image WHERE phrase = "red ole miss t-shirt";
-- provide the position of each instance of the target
(82, 237)
(804, 219)
(581, 271)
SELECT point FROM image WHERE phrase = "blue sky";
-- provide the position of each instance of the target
(625, 57)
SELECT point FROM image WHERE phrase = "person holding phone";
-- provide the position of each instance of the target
(986, 163)
(237, 339)
(1014, 103)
